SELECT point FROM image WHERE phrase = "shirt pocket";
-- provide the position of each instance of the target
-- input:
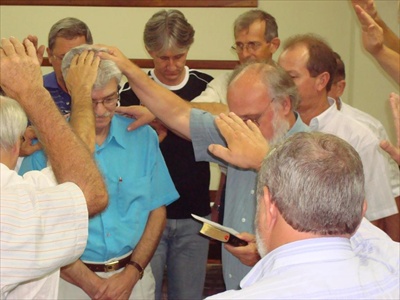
(134, 195)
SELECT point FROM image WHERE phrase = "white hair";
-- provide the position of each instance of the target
(13, 122)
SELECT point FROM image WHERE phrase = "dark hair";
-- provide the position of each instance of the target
(246, 19)
(321, 58)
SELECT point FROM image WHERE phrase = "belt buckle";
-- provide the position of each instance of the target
(111, 266)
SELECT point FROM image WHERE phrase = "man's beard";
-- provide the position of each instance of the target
(280, 127)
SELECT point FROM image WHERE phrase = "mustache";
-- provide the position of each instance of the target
(105, 115)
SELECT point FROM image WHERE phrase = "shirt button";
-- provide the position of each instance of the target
(243, 220)
(230, 275)
(108, 234)
(252, 192)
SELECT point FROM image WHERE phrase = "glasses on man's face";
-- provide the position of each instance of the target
(58, 57)
(250, 46)
(109, 102)
(256, 119)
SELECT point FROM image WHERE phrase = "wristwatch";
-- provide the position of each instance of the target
(138, 267)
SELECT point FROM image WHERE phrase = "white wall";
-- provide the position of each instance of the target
(368, 87)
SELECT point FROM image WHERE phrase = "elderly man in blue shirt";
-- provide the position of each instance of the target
(123, 238)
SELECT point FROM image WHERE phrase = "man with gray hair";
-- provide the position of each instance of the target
(168, 37)
(123, 238)
(43, 215)
(311, 234)
(262, 94)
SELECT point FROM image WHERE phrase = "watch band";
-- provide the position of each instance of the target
(138, 267)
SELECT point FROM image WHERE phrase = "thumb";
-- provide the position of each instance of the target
(219, 151)
(136, 124)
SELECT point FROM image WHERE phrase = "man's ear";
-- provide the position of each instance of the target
(322, 81)
(270, 208)
(274, 45)
(49, 55)
(364, 208)
(341, 85)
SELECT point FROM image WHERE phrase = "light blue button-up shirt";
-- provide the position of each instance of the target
(137, 181)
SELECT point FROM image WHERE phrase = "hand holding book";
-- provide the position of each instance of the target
(220, 233)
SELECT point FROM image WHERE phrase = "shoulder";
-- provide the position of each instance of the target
(200, 75)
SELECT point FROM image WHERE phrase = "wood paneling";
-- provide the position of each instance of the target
(193, 64)
(136, 3)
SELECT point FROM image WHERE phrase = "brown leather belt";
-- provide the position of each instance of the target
(109, 267)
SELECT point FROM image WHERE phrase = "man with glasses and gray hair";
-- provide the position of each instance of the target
(123, 238)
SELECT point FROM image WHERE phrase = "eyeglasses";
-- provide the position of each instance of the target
(250, 47)
(256, 119)
(58, 57)
(108, 102)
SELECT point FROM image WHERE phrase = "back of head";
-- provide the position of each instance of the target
(244, 21)
(276, 80)
(69, 28)
(107, 71)
(321, 58)
(168, 29)
(316, 181)
(13, 122)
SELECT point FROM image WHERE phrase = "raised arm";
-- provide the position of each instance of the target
(170, 109)
(21, 79)
(374, 42)
(390, 39)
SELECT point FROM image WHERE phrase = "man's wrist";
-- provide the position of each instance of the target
(137, 267)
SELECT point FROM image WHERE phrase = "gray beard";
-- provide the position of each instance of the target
(281, 127)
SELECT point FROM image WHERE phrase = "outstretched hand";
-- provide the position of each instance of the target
(142, 115)
(368, 6)
(39, 51)
(394, 151)
(246, 146)
(372, 33)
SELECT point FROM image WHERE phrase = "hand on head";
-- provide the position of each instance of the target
(82, 72)
(246, 146)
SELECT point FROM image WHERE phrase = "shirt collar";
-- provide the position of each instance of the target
(324, 118)
(298, 126)
(299, 252)
(115, 135)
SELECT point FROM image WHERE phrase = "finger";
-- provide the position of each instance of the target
(7, 47)
(82, 57)
(225, 127)
(96, 61)
(30, 49)
(136, 124)
(19, 48)
(220, 151)
(89, 58)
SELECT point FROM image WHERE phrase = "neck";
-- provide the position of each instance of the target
(317, 107)
(101, 135)
(8, 158)
(171, 82)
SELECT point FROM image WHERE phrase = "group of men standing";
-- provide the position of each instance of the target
(313, 189)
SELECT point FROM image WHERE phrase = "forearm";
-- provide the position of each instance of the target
(82, 118)
(390, 39)
(69, 157)
(148, 243)
(78, 274)
(170, 109)
(213, 108)
(389, 61)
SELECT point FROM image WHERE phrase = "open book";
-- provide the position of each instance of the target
(220, 233)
